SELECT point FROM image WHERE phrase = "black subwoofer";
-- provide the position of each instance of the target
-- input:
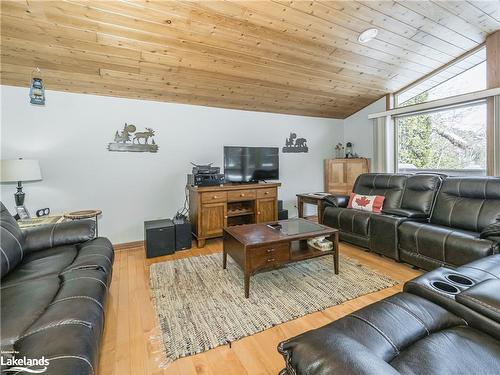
(159, 237)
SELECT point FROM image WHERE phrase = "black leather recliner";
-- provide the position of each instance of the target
(464, 225)
(407, 197)
(450, 329)
(54, 285)
(354, 225)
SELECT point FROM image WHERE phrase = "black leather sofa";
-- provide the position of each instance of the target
(461, 228)
(445, 322)
(54, 283)
(426, 220)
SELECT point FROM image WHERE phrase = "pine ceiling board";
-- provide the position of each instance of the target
(442, 49)
(259, 37)
(392, 41)
(426, 26)
(472, 15)
(490, 7)
(302, 24)
(91, 12)
(443, 16)
(298, 57)
(362, 58)
(104, 87)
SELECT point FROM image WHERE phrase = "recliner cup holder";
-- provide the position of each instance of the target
(459, 279)
(445, 287)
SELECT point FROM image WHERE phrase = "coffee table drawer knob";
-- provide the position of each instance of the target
(270, 260)
(269, 250)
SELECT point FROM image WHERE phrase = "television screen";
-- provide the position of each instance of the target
(251, 164)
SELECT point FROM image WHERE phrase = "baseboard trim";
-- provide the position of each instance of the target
(128, 245)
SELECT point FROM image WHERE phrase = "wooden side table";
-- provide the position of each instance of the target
(311, 198)
(85, 214)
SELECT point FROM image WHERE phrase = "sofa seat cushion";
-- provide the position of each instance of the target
(348, 220)
(487, 268)
(22, 304)
(71, 348)
(94, 254)
(41, 263)
(459, 350)
(446, 245)
(366, 341)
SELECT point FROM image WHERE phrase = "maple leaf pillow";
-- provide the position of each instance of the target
(372, 203)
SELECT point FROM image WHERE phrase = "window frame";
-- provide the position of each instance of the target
(396, 138)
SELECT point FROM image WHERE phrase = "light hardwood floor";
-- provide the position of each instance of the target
(128, 347)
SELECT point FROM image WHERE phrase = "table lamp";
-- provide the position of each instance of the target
(20, 170)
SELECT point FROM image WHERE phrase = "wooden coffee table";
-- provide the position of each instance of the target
(258, 247)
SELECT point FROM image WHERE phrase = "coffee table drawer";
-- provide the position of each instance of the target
(269, 255)
(240, 195)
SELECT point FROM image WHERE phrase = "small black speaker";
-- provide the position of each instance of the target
(280, 205)
(183, 236)
(282, 214)
(159, 237)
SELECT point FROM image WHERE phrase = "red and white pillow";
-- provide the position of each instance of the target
(372, 203)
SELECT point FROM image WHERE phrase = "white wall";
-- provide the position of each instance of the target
(359, 130)
(70, 133)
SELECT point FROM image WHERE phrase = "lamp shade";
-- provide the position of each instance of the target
(20, 170)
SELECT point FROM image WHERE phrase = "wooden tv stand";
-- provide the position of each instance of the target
(211, 208)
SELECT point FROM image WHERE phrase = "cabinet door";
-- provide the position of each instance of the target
(266, 210)
(213, 219)
(353, 169)
(335, 176)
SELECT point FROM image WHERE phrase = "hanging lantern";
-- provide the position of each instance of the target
(37, 91)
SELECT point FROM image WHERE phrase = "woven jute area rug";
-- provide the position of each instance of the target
(201, 306)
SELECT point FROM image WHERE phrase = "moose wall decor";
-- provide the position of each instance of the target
(128, 140)
(294, 144)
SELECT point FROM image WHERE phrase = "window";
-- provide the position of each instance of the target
(450, 141)
(467, 75)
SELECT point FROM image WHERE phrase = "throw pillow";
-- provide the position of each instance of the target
(372, 203)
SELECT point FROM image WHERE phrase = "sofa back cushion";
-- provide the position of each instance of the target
(469, 203)
(391, 186)
(11, 241)
(420, 192)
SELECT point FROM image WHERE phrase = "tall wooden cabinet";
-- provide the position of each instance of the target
(340, 174)
(211, 208)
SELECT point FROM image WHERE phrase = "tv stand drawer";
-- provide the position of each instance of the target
(213, 197)
(266, 193)
(241, 195)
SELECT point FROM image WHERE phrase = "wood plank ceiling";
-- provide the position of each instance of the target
(298, 57)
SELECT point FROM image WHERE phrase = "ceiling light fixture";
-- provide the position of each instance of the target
(367, 35)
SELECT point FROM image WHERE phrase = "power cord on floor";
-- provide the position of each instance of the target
(183, 213)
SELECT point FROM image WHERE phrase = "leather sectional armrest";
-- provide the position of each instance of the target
(336, 200)
(483, 298)
(65, 233)
(411, 214)
(492, 230)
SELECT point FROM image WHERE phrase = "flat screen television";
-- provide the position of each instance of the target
(251, 164)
